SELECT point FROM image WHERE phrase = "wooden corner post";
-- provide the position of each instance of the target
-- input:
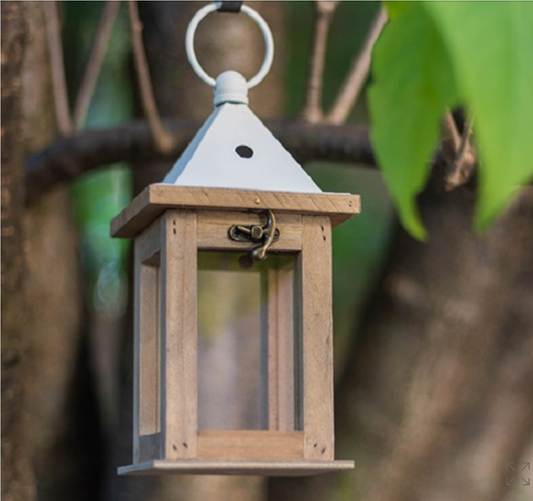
(314, 270)
(178, 334)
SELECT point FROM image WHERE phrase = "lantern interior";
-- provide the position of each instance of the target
(248, 372)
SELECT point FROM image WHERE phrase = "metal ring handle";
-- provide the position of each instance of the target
(254, 15)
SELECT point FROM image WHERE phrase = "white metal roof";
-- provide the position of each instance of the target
(214, 159)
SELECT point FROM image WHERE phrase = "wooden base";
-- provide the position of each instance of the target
(296, 468)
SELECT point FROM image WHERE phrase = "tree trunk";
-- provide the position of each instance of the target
(438, 394)
(17, 482)
(44, 293)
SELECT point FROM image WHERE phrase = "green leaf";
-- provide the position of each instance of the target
(491, 45)
(413, 83)
(394, 8)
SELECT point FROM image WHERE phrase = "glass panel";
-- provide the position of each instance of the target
(149, 348)
(246, 360)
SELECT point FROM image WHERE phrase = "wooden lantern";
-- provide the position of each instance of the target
(194, 276)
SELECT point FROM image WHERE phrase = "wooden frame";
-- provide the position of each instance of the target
(166, 439)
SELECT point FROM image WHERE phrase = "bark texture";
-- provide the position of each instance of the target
(44, 309)
(438, 395)
(17, 483)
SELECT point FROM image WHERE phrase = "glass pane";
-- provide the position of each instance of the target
(246, 361)
(149, 348)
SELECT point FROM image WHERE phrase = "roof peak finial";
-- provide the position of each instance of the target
(231, 87)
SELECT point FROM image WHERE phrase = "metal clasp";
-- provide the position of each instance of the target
(266, 234)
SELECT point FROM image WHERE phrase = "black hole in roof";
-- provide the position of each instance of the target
(244, 151)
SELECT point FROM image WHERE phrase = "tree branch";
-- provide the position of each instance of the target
(450, 138)
(356, 78)
(312, 111)
(458, 153)
(69, 157)
(95, 63)
(162, 138)
(53, 34)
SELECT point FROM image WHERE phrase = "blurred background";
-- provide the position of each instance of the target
(434, 345)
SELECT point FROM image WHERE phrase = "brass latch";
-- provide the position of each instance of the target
(266, 234)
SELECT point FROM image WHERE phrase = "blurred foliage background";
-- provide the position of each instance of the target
(98, 196)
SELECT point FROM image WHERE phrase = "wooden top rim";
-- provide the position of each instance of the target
(156, 198)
